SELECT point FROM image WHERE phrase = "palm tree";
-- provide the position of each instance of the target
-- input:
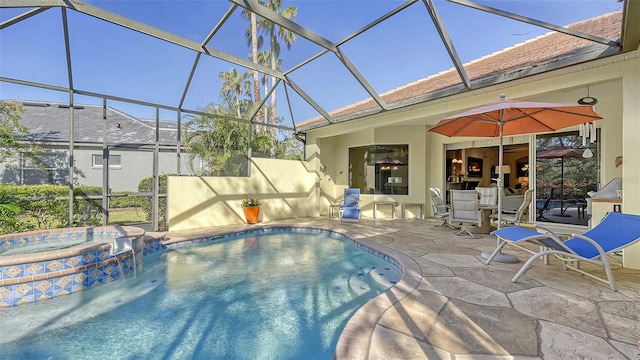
(218, 143)
(264, 58)
(278, 34)
(256, 43)
(236, 84)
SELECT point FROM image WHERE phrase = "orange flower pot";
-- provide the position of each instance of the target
(251, 213)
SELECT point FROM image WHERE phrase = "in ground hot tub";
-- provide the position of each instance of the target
(40, 265)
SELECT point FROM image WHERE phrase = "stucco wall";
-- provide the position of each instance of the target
(286, 189)
(333, 161)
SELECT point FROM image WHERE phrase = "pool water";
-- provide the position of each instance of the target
(271, 296)
(48, 246)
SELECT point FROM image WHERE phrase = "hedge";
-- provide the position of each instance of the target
(39, 209)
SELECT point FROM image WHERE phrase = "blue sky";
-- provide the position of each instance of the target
(108, 59)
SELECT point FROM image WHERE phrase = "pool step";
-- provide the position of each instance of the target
(344, 288)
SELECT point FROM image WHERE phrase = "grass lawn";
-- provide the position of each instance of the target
(126, 215)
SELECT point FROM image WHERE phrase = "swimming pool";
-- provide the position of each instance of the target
(276, 295)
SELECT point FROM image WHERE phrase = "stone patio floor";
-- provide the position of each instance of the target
(450, 305)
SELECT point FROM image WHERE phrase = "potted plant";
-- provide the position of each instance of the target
(251, 207)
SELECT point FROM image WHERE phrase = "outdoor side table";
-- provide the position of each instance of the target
(404, 208)
(391, 203)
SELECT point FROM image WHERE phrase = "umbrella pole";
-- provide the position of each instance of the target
(500, 257)
(561, 184)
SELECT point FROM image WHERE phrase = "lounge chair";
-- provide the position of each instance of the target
(350, 209)
(440, 209)
(464, 210)
(615, 232)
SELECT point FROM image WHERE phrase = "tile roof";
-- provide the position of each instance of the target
(526, 56)
(50, 122)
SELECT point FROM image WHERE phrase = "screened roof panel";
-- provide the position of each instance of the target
(276, 109)
(108, 64)
(232, 38)
(329, 83)
(11, 91)
(394, 52)
(31, 49)
(562, 13)
(407, 49)
(301, 110)
(206, 85)
(192, 20)
(336, 20)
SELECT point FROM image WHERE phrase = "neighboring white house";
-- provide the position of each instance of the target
(130, 143)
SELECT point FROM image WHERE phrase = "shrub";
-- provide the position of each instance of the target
(47, 206)
(146, 185)
(118, 202)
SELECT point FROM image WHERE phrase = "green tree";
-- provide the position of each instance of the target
(8, 213)
(221, 144)
(12, 133)
(12, 142)
(255, 42)
(237, 85)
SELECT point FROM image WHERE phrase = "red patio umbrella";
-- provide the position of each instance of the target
(511, 117)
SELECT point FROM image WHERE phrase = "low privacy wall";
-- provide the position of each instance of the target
(286, 189)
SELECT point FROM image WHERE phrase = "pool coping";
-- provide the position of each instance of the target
(355, 339)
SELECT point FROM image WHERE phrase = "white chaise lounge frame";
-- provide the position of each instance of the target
(615, 232)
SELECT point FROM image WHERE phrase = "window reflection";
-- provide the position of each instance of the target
(564, 176)
(380, 169)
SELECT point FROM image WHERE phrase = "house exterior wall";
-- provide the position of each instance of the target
(136, 164)
(630, 126)
(618, 104)
(334, 156)
(286, 189)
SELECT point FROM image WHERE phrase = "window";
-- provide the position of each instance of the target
(565, 173)
(380, 169)
(114, 161)
(42, 169)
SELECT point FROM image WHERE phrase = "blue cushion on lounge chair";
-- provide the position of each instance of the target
(351, 209)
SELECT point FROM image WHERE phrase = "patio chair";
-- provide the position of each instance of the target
(519, 215)
(488, 195)
(350, 208)
(440, 209)
(615, 232)
(464, 210)
(545, 207)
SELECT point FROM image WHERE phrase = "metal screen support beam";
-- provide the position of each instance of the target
(179, 144)
(24, 16)
(67, 47)
(249, 151)
(631, 26)
(71, 160)
(363, 82)
(446, 41)
(105, 166)
(145, 29)
(309, 100)
(263, 11)
(542, 24)
(156, 177)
